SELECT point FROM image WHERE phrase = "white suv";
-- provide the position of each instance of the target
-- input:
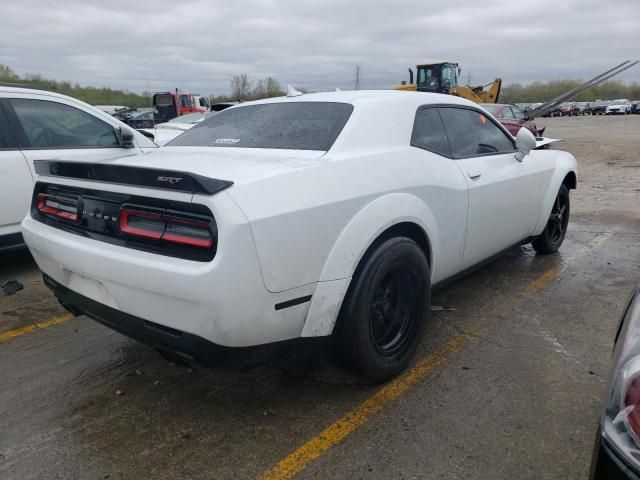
(41, 125)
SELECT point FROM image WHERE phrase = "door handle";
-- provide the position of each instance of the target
(474, 174)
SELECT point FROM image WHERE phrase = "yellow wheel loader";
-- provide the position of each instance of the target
(442, 77)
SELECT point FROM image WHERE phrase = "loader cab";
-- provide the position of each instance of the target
(437, 77)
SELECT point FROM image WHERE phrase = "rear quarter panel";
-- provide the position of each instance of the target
(315, 224)
(555, 166)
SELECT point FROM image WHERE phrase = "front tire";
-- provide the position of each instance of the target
(385, 310)
(552, 236)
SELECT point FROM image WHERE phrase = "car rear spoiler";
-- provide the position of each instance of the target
(156, 178)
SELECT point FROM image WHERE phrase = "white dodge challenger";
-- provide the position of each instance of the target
(328, 214)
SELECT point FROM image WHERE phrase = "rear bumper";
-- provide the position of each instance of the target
(223, 301)
(191, 348)
(173, 344)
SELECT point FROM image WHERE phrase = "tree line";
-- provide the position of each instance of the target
(91, 95)
(244, 89)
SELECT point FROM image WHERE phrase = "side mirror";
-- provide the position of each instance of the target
(525, 142)
(126, 138)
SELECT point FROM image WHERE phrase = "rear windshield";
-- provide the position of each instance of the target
(295, 125)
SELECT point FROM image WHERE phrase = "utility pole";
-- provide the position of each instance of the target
(356, 74)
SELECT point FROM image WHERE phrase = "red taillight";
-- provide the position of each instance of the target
(632, 399)
(62, 207)
(159, 226)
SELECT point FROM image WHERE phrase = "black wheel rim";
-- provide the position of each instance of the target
(558, 219)
(393, 310)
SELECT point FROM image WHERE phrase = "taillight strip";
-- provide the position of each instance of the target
(201, 236)
(62, 207)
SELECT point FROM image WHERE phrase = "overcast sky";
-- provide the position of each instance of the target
(199, 45)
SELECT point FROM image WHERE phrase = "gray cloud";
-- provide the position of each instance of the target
(197, 45)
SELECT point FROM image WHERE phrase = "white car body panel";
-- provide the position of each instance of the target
(16, 183)
(297, 223)
(504, 197)
(163, 133)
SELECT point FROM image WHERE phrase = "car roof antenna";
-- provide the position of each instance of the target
(292, 92)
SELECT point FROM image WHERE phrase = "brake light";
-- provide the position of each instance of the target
(168, 228)
(631, 403)
(62, 207)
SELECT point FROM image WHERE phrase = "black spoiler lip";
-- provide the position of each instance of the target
(157, 178)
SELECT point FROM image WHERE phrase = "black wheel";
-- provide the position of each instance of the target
(385, 308)
(551, 238)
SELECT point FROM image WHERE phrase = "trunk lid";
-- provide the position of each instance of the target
(238, 165)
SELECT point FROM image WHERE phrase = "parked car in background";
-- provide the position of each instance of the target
(583, 108)
(588, 108)
(618, 107)
(202, 103)
(140, 120)
(38, 125)
(569, 109)
(635, 106)
(556, 112)
(615, 455)
(249, 228)
(165, 132)
(600, 107)
(218, 107)
(511, 117)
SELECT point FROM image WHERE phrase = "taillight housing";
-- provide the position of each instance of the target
(167, 227)
(630, 403)
(58, 206)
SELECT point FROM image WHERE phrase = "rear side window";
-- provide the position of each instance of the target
(507, 113)
(295, 125)
(3, 124)
(7, 139)
(428, 132)
(517, 113)
(49, 124)
(471, 133)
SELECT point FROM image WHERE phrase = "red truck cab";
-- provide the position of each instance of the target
(169, 105)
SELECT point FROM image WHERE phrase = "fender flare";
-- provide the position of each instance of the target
(566, 164)
(350, 247)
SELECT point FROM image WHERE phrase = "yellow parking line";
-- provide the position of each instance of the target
(296, 461)
(335, 433)
(30, 328)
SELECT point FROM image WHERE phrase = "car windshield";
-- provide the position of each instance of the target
(282, 125)
(618, 102)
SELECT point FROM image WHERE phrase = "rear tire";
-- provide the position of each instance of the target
(385, 309)
(552, 236)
